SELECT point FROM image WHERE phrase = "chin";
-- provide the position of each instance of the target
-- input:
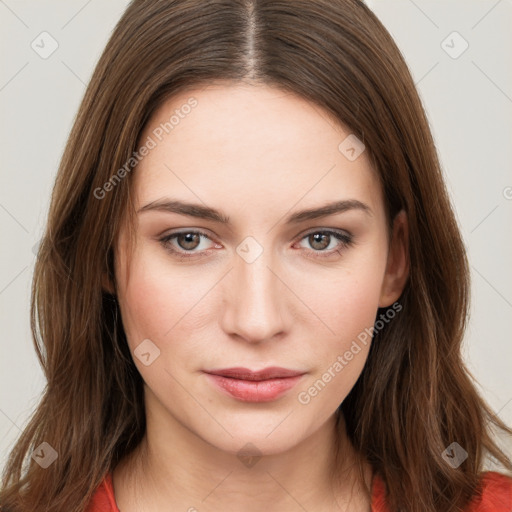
(270, 439)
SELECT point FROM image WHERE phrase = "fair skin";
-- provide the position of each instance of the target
(258, 155)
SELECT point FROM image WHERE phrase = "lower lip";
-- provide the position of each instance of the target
(254, 391)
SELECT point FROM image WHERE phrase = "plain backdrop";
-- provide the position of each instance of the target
(467, 93)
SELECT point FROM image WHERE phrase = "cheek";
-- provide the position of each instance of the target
(161, 302)
(351, 315)
(147, 306)
(347, 300)
(348, 306)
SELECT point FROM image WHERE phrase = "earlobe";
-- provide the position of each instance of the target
(397, 267)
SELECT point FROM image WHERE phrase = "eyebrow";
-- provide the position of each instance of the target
(205, 212)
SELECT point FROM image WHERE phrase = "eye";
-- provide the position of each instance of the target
(186, 243)
(183, 244)
(321, 240)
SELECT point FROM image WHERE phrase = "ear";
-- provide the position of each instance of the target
(397, 267)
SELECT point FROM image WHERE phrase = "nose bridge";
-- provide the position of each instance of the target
(256, 300)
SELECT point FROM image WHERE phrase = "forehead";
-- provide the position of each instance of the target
(249, 144)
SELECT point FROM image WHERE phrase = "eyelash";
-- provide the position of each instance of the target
(345, 239)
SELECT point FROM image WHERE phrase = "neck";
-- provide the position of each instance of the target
(174, 469)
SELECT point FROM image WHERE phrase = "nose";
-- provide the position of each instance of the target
(255, 300)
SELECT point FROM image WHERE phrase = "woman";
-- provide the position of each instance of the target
(252, 290)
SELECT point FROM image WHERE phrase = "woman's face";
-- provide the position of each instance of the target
(262, 284)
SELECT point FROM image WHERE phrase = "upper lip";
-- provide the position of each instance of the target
(273, 372)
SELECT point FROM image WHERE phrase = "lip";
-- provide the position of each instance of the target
(254, 386)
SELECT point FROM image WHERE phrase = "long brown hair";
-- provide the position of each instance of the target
(414, 397)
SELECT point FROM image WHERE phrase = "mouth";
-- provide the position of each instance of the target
(254, 386)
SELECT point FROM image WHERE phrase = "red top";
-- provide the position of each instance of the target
(496, 495)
